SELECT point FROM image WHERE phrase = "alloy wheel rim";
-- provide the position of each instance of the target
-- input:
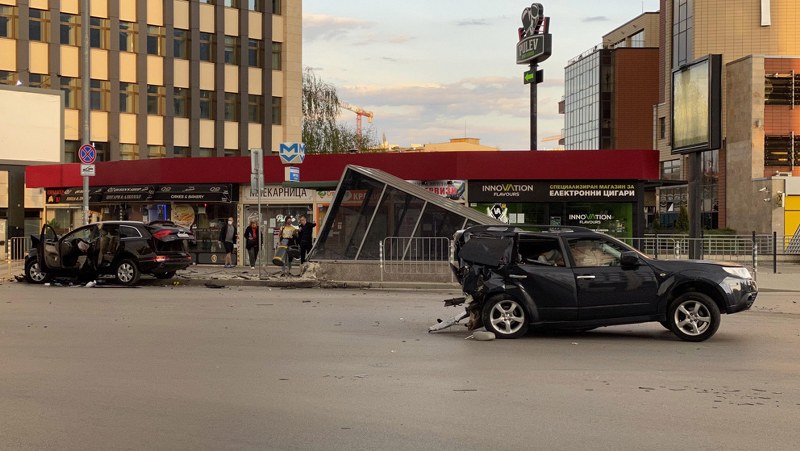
(125, 272)
(692, 318)
(36, 273)
(507, 317)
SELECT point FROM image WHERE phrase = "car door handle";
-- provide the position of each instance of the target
(517, 276)
(585, 277)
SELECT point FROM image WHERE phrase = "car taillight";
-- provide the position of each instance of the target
(161, 234)
(161, 258)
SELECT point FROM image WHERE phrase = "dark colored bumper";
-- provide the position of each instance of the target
(742, 294)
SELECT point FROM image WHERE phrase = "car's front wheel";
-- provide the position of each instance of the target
(34, 273)
(693, 317)
(127, 273)
(505, 317)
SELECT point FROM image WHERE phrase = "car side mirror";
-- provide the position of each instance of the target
(629, 259)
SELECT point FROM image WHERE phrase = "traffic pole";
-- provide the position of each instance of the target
(85, 88)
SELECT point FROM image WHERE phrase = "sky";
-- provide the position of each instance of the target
(432, 70)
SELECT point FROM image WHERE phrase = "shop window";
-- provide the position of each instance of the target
(72, 90)
(156, 100)
(99, 95)
(255, 5)
(277, 55)
(70, 29)
(155, 40)
(231, 107)
(128, 97)
(207, 47)
(277, 7)
(231, 50)
(38, 25)
(127, 37)
(154, 152)
(8, 21)
(128, 152)
(276, 110)
(99, 30)
(255, 50)
(180, 98)
(255, 109)
(181, 152)
(181, 43)
(208, 106)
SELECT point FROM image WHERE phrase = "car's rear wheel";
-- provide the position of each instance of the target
(127, 273)
(505, 317)
(165, 275)
(694, 317)
(34, 273)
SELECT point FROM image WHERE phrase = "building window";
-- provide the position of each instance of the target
(682, 32)
(276, 111)
(71, 87)
(662, 128)
(180, 43)
(231, 107)
(128, 97)
(637, 40)
(128, 152)
(276, 7)
(207, 47)
(255, 48)
(156, 100)
(206, 152)
(255, 5)
(99, 95)
(70, 29)
(99, 31)
(231, 3)
(231, 50)
(155, 40)
(671, 170)
(233, 153)
(181, 152)
(781, 151)
(782, 89)
(181, 99)
(38, 25)
(71, 151)
(208, 106)
(277, 53)
(7, 77)
(255, 109)
(39, 81)
(127, 37)
(8, 21)
(156, 152)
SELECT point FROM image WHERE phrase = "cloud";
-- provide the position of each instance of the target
(595, 19)
(472, 22)
(325, 27)
(378, 39)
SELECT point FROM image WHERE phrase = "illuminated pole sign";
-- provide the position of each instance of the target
(535, 45)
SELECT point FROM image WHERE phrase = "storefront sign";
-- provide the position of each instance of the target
(128, 193)
(451, 189)
(608, 191)
(72, 195)
(193, 193)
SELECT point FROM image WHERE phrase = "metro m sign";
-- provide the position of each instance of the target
(292, 153)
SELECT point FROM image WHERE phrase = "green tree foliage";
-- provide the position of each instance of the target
(682, 223)
(321, 131)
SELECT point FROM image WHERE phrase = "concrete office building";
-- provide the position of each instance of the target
(169, 78)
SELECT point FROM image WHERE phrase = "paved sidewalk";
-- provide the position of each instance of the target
(786, 280)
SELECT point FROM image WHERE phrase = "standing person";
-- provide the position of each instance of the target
(251, 238)
(288, 233)
(304, 237)
(227, 235)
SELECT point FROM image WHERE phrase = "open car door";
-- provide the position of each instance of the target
(48, 248)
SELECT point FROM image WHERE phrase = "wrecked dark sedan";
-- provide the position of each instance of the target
(121, 249)
(578, 279)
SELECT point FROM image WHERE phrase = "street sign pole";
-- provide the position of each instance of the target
(534, 109)
(257, 183)
(85, 107)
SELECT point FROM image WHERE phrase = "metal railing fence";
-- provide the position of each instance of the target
(415, 255)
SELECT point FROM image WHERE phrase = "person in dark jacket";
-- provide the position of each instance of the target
(304, 237)
(251, 242)
(227, 235)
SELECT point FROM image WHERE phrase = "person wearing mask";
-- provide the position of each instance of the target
(227, 235)
(288, 233)
(304, 237)
(251, 237)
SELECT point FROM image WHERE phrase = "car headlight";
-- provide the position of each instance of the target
(737, 271)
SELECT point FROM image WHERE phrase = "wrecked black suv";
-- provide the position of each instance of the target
(578, 279)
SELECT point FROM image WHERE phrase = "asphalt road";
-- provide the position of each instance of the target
(253, 368)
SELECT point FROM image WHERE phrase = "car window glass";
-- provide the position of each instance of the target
(588, 252)
(540, 250)
(128, 232)
(84, 233)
